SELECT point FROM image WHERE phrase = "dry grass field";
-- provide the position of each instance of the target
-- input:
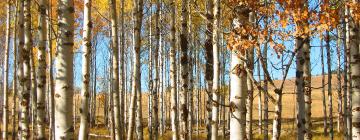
(288, 114)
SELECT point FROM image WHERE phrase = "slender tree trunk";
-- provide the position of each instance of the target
(33, 93)
(249, 99)
(20, 74)
(151, 82)
(307, 89)
(183, 115)
(260, 113)
(85, 91)
(216, 68)
(328, 55)
(122, 74)
(345, 74)
(300, 58)
(26, 54)
(6, 74)
(115, 70)
(41, 71)
(323, 89)
(155, 95)
(209, 65)
(51, 82)
(64, 128)
(338, 76)
(266, 98)
(16, 67)
(139, 126)
(173, 83)
(349, 43)
(136, 89)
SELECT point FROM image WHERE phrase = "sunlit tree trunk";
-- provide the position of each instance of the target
(355, 75)
(238, 93)
(6, 74)
(307, 89)
(300, 58)
(349, 29)
(173, 83)
(345, 74)
(328, 56)
(152, 134)
(33, 92)
(26, 54)
(115, 70)
(64, 128)
(250, 98)
(41, 71)
(51, 102)
(136, 89)
(16, 88)
(139, 126)
(338, 76)
(155, 95)
(216, 74)
(85, 91)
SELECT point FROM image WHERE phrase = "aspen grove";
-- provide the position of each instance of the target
(180, 69)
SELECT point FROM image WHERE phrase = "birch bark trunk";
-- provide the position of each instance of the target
(5, 109)
(41, 71)
(85, 91)
(64, 128)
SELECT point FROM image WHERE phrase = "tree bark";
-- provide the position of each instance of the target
(216, 68)
(238, 93)
(64, 128)
(328, 56)
(355, 76)
(41, 71)
(5, 109)
(323, 89)
(26, 54)
(85, 91)
(173, 83)
(209, 70)
(136, 89)
(183, 115)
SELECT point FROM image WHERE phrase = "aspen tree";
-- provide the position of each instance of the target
(85, 91)
(5, 109)
(64, 128)
(41, 71)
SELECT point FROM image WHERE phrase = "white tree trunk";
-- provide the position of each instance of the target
(64, 128)
(355, 76)
(41, 71)
(238, 95)
(173, 83)
(307, 88)
(300, 89)
(209, 66)
(26, 54)
(6, 74)
(216, 73)
(115, 70)
(16, 72)
(136, 89)
(85, 91)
